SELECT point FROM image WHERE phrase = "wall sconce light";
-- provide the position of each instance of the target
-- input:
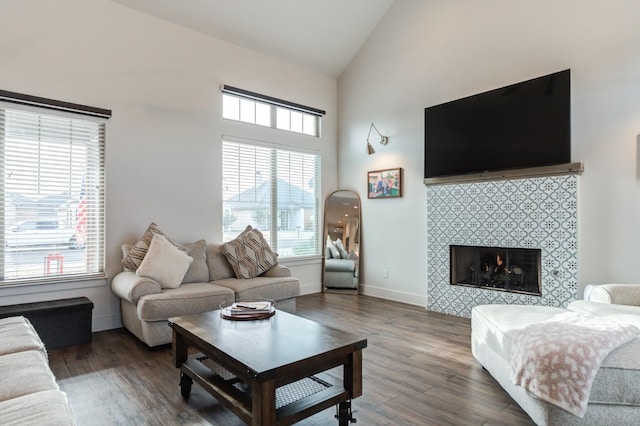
(383, 139)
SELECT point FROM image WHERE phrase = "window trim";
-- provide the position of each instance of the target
(52, 104)
(271, 100)
(284, 147)
(65, 110)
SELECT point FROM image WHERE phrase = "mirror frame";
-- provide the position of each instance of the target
(358, 239)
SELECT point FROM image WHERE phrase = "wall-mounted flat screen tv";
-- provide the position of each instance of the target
(522, 125)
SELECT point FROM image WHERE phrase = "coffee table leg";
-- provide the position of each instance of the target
(263, 397)
(179, 349)
(353, 375)
(185, 385)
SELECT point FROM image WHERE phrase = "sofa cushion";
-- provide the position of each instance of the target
(198, 271)
(249, 254)
(275, 288)
(18, 335)
(41, 408)
(340, 265)
(622, 313)
(24, 373)
(191, 298)
(136, 254)
(618, 294)
(341, 249)
(164, 263)
(331, 246)
(219, 267)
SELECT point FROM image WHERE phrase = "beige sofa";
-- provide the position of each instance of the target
(29, 394)
(615, 393)
(209, 281)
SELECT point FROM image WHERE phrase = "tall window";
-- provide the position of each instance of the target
(254, 108)
(275, 191)
(52, 190)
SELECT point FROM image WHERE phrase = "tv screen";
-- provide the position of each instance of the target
(523, 125)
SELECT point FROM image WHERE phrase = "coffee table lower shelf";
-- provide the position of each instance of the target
(294, 401)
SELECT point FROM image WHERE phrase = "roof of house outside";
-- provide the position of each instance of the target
(289, 196)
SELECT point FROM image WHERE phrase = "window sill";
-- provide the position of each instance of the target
(302, 260)
(42, 285)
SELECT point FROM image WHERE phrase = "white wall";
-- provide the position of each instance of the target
(164, 140)
(427, 52)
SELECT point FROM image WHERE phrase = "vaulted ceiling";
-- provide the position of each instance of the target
(321, 35)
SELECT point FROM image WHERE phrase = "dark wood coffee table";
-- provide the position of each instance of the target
(270, 371)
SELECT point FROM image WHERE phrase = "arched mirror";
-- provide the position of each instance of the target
(341, 263)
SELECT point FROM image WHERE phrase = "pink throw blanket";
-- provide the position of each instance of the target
(557, 360)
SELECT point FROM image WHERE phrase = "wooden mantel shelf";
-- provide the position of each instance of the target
(533, 172)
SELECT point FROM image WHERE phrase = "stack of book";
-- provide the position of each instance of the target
(249, 310)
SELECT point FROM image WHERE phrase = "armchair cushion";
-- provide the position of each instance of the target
(164, 263)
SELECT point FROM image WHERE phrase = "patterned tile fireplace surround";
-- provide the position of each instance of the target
(527, 213)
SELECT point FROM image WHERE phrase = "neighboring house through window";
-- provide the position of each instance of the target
(274, 191)
(52, 189)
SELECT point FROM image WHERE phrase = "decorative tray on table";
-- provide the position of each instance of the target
(243, 310)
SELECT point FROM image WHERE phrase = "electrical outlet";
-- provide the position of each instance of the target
(385, 274)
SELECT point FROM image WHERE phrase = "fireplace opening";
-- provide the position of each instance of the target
(506, 269)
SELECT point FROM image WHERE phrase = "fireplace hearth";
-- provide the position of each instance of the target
(497, 268)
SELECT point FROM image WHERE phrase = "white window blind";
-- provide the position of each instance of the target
(275, 191)
(52, 187)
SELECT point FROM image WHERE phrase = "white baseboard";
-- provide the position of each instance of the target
(310, 288)
(397, 296)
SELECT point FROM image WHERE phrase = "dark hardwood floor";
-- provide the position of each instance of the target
(417, 370)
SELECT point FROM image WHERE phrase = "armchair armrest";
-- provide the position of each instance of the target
(127, 285)
(619, 294)
(277, 271)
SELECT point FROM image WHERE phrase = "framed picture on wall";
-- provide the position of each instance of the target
(384, 183)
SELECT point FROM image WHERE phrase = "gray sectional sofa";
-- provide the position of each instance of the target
(29, 394)
(614, 397)
(210, 280)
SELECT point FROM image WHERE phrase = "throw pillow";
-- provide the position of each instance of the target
(137, 253)
(126, 248)
(340, 247)
(164, 263)
(249, 254)
(198, 271)
(335, 253)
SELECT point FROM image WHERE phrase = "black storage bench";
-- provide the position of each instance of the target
(59, 323)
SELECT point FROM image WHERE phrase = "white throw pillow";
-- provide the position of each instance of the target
(340, 247)
(335, 253)
(164, 263)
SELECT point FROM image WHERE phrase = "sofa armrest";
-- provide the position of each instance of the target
(280, 271)
(618, 294)
(127, 285)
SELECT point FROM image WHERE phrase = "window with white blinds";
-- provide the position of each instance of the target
(52, 187)
(275, 191)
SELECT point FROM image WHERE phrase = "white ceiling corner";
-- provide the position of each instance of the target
(320, 35)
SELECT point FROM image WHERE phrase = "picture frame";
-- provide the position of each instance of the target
(384, 183)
